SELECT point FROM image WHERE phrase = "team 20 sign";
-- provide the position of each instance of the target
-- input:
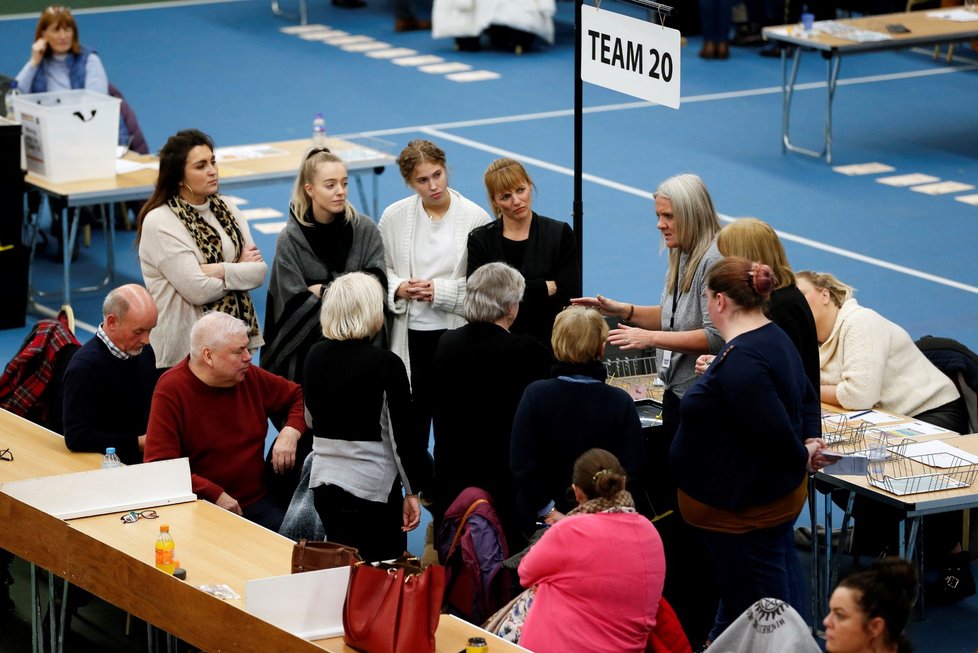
(631, 56)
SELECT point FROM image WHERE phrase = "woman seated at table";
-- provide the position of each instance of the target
(324, 238)
(547, 438)
(869, 362)
(195, 250)
(58, 61)
(598, 572)
(755, 240)
(364, 447)
(543, 250)
(748, 433)
(483, 369)
(869, 610)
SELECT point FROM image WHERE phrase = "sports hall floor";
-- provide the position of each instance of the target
(241, 74)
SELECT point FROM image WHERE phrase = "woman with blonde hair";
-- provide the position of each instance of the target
(543, 250)
(425, 255)
(756, 240)
(867, 361)
(364, 448)
(324, 238)
(547, 438)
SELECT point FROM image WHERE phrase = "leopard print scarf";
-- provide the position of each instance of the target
(234, 302)
(621, 502)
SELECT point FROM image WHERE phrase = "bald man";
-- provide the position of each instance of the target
(108, 386)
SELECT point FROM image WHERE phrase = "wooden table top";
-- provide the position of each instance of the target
(923, 30)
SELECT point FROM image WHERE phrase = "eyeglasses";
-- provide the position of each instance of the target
(6, 455)
(134, 516)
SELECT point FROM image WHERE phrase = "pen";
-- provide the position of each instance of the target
(865, 412)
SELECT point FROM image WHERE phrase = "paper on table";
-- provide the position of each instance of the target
(959, 15)
(938, 454)
(913, 429)
(868, 416)
(122, 166)
(236, 153)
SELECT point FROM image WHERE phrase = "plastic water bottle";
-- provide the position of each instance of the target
(8, 101)
(319, 131)
(110, 459)
(164, 550)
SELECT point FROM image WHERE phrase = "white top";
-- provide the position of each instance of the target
(397, 231)
(873, 363)
(170, 261)
(434, 257)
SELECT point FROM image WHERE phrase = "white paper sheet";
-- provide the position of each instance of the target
(938, 454)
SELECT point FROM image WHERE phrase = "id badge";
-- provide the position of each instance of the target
(666, 359)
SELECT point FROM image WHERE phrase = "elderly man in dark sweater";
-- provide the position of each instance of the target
(109, 383)
(213, 407)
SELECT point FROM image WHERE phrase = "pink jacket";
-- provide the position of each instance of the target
(599, 580)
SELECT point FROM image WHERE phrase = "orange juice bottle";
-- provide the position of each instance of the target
(164, 550)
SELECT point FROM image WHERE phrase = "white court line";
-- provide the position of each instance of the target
(644, 194)
(109, 10)
(707, 97)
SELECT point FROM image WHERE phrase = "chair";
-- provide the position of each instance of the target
(937, 48)
(768, 626)
(961, 365)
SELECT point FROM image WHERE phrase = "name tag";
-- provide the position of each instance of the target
(666, 359)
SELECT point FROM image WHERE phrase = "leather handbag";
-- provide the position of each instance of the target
(312, 556)
(394, 607)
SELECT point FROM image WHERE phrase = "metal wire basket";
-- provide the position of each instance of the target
(842, 435)
(636, 376)
(900, 474)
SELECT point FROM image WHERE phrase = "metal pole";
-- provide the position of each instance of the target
(578, 207)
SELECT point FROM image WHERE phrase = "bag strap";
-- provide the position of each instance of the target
(461, 525)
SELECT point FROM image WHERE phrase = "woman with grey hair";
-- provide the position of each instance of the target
(680, 330)
(364, 447)
(481, 370)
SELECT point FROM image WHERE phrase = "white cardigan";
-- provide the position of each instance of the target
(397, 231)
(466, 18)
(170, 261)
(872, 362)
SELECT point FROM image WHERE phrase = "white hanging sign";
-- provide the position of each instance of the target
(631, 56)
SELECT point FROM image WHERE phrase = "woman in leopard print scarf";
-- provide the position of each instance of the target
(195, 249)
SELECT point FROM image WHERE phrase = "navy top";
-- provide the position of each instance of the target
(107, 400)
(743, 424)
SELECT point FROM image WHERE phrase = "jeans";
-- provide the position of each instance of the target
(754, 565)
(715, 19)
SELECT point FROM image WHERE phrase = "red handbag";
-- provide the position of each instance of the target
(393, 608)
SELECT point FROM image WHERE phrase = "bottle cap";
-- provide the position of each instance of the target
(164, 528)
(180, 573)
(109, 450)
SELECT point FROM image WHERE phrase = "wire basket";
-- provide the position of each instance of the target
(636, 376)
(842, 436)
(900, 474)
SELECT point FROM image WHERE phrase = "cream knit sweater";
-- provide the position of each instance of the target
(874, 364)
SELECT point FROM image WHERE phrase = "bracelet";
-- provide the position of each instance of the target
(631, 312)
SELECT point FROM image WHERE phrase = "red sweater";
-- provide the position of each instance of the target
(221, 430)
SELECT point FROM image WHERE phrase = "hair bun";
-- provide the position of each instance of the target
(762, 279)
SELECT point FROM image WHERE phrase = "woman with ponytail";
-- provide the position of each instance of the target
(869, 610)
(598, 572)
(747, 433)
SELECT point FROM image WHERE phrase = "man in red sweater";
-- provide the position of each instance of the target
(213, 408)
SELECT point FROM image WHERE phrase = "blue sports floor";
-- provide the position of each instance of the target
(241, 74)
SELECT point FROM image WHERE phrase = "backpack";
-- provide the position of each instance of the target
(472, 547)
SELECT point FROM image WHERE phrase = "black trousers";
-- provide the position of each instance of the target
(373, 527)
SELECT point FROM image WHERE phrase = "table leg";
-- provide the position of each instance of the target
(363, 195)
(833, 64)
(813, 568)
(37, 630)
(788, 82)
(303, 13)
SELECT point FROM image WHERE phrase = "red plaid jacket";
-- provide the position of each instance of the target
(32, 369)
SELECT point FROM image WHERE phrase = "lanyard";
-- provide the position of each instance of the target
(675, 298)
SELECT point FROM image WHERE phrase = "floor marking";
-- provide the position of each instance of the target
(857, 169)
(912, 179)
(474, 76)
(638, 192)
(392, 53)
(968, 199)
(942, 188)
(442, 68)
(420, 60)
